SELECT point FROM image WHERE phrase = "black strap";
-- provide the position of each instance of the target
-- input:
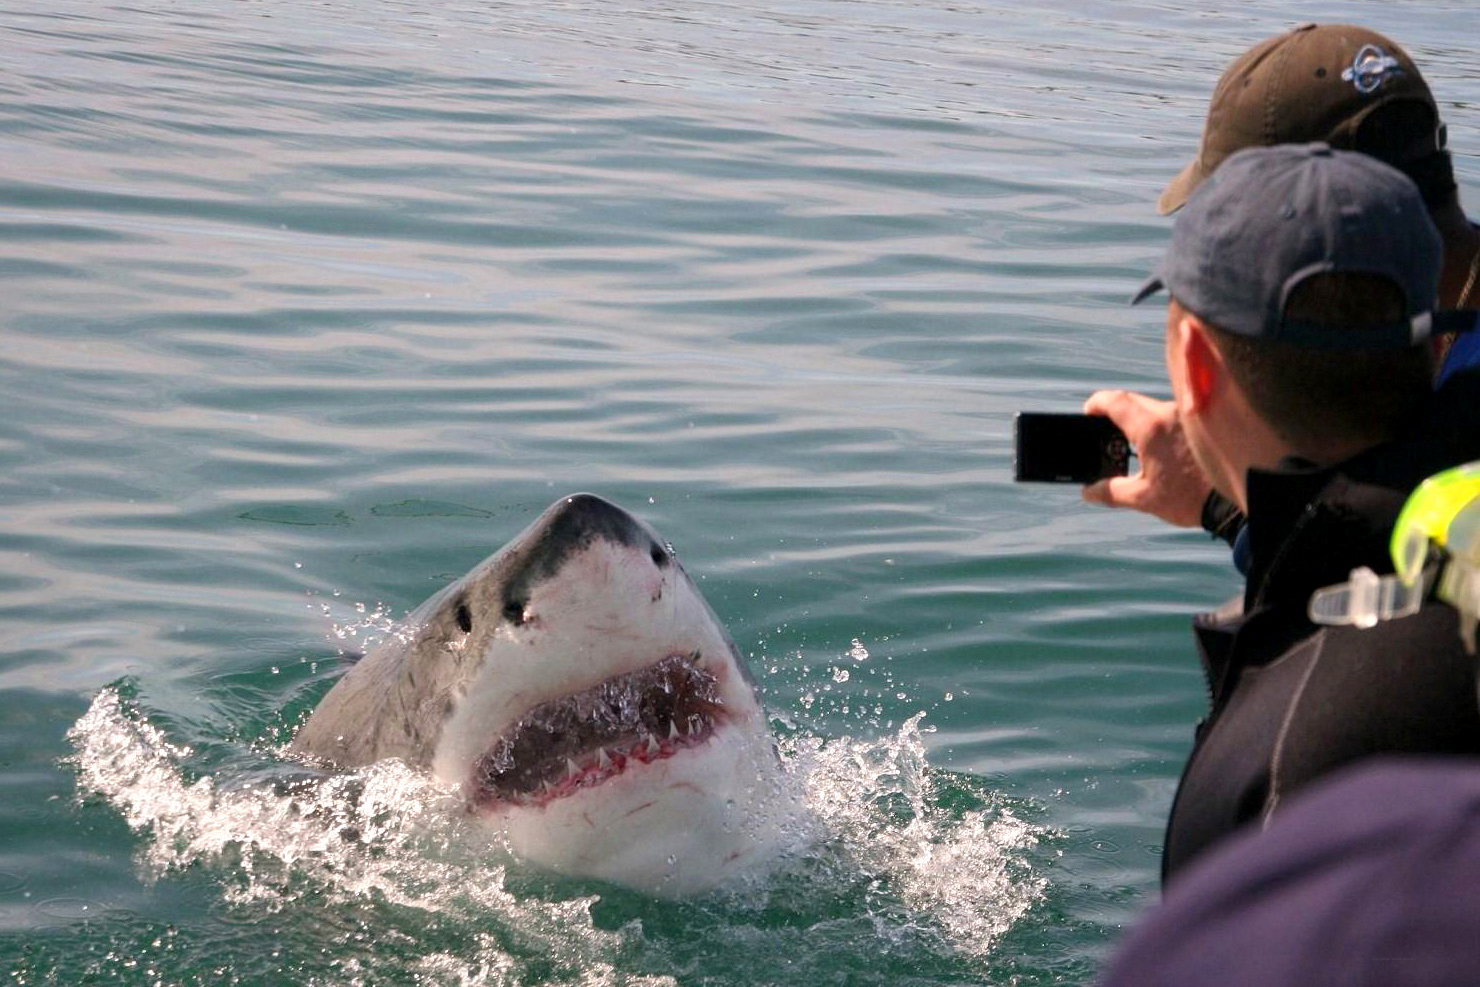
(1221, 518)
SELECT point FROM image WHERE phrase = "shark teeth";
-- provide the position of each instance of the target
(583, 739)
(600, 765)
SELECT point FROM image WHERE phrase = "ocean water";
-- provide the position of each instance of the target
(308, 307)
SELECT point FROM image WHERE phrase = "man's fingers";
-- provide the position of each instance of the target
(1097, 492)
(1116, 491)
(1134, 413)
(1099, 402)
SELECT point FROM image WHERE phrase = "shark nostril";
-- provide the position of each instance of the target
(464, 618)
(514, 612)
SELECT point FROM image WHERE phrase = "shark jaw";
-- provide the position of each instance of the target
(693, 817)
(648, 779)
(586, 739)
(609, 765)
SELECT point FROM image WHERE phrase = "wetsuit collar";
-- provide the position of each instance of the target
(1310, 526)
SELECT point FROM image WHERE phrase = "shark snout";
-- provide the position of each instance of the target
(575, 530)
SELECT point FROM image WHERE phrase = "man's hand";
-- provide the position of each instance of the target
(1169, 484)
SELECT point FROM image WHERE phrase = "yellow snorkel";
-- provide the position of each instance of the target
(1435, 546)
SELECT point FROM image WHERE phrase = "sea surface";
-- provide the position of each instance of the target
(306, 307)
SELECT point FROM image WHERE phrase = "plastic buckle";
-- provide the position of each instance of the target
(1365, 599)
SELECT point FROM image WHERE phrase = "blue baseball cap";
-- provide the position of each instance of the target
(1271, 217)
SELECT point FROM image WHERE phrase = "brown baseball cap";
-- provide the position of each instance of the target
(1317, 82)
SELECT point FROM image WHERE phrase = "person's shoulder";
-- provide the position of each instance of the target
(1343, 693)
(1365, 876)
(1429, 637)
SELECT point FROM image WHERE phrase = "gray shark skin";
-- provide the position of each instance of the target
(586, 700)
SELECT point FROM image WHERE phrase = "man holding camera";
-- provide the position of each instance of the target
(1301, 347)
(1354, 89)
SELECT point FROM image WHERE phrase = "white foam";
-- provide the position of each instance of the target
(938, 878)
(407, 847)
(964, 872)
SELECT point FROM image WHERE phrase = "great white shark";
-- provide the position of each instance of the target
(583, 696)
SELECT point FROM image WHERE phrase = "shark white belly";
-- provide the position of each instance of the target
(585, 698)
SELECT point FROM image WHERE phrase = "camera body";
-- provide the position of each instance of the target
(1068, 448)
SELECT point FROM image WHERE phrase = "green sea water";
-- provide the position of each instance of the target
(308, 307)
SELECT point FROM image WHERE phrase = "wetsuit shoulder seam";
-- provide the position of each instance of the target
(1272, 800)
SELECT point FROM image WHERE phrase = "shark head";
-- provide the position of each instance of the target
(586, 700)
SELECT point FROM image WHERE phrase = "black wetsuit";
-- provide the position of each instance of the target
(1291, 701)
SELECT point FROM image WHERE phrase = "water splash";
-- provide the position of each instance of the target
(889, 855)
(385, 834)
(886, 818)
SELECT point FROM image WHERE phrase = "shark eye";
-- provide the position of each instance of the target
(514, 612)
(464, 618)
(660, 555)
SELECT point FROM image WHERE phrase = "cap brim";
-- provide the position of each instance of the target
(1151, 286)
(1179, 189)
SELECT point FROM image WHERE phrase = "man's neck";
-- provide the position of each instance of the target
(1241, 441)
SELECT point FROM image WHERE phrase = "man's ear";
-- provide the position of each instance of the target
(1202, 364)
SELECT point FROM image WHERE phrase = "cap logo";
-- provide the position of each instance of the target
(1371, 68)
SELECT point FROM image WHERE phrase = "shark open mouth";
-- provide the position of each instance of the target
(583, 739)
